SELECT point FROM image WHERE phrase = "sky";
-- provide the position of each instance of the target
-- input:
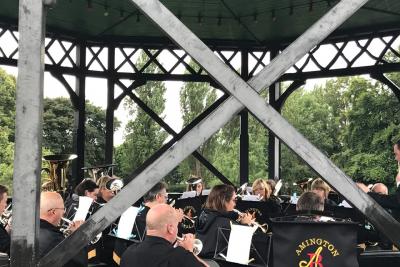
(96, 89)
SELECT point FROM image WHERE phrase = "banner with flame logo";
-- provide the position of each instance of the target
(314, 244)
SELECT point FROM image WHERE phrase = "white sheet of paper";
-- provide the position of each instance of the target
(206, 192)
(126, 222)
(250, 198)
(83, 208)
(239, 244)
(188, 194)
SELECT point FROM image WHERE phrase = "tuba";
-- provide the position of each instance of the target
(95, 172)
(57, 171)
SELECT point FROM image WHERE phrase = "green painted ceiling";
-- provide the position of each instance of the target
(254, 21)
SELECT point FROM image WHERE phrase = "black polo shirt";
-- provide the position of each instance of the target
(158, 252)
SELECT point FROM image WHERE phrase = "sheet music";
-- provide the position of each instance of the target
(188, 194)
(83, 208)
(250, 198)
(126, 222)
(239, 243)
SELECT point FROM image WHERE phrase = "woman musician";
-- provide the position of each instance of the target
(263, 190)
(218, 213)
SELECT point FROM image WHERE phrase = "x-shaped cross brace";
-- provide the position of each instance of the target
(243, 95)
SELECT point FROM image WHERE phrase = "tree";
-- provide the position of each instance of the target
(7, 103)
(143, 136)
(58, 126)
(354, 121)
(372, 125)
(7, 119)
(6, 157)
(194, 99)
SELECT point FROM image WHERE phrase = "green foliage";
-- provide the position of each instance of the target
(58, 122)
(194, 99)
(354, 121)
(7, 119)
(7, 102)
(143, 136)
(6, 157)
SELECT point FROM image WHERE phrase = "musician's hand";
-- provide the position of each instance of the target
(8, 226)
(187, 242)
(246, 218)
(179, 214)
(363, 187)
(75, 225)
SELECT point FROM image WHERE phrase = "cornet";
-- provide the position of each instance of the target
(263, 227)
(66, 231)
(172, 203)
(6, 216)
(197, 245)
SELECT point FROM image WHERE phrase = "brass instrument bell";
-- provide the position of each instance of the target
(58, 169)
(95, 172)
(305, 184)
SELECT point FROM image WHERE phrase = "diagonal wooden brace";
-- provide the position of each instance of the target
(194, 138)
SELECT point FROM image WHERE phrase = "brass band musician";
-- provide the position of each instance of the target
(263, 189)
(4, 229)
(51, 211)
(157, 249)
(218, 213)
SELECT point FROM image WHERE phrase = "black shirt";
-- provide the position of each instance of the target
(391, 201)
(4, 240)
(158, 252)
(139, 229)
(207, 226)
(50, 236)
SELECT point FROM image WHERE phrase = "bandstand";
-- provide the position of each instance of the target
(275, 41)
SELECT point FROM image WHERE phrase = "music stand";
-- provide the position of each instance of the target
(259, 249)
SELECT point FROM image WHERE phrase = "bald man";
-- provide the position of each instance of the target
(380, 188)
(157, 249)
(391, 201)
(51, 211)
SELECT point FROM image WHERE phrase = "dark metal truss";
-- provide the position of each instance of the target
(60, 57)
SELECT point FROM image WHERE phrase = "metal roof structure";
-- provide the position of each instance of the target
(254, 23)
(89, 31)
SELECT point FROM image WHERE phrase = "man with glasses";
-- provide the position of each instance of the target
(51, 211)
(156, 195)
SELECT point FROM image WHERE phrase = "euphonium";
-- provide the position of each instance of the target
(58, 168)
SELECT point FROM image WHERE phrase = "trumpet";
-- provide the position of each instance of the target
(172, 203)
(197, 244)
(67, 231)
(263, 227)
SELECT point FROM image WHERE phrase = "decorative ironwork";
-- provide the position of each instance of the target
(345, 56)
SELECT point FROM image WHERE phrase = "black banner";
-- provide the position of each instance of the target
(314, 244)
